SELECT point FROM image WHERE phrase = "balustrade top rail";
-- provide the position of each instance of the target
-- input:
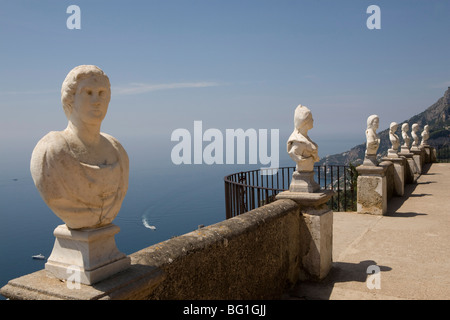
(245, 191)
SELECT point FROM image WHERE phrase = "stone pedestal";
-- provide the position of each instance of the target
(410, 167)
(370, 160)
(433, 155)
(392, 153)
(86, 255)
(426, 153)
(429, 153)
(317, 246)
(303, 182)
(399, 174)
(372, 190)
(418, 156)
(404, 150)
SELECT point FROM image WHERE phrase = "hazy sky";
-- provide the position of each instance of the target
(231, 64)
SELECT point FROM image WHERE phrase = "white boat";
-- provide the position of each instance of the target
(38, 257)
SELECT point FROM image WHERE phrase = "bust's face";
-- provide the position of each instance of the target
(376, 123)
(309, 122)
(91, 100)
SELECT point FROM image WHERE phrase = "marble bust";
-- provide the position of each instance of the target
(303, 151)
(300, 147)
(425, 135)
(80, 172)
(372, 140)
(414, 129)
(395, 141)
(405, 136)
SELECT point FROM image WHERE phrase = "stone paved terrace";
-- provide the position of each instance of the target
(410, 245)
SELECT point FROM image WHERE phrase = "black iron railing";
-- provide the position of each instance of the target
(443, 153)
(245, 191)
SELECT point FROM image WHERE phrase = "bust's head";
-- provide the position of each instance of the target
(303, 118)
(373, 121)
(80, 75)
(405, 127)
(415, 127)
(393, 127)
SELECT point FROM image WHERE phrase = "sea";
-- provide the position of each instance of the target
(164, 200)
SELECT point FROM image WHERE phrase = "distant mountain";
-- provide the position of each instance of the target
(437, 116)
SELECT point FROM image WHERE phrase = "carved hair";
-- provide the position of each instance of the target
(302, 114)
(370, 120)
(392, 126)
(70, 84)
(405, 127)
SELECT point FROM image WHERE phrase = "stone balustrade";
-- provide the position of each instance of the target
(257, 255)
(377, 184)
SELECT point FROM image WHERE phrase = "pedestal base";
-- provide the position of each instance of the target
(317, 223)
(392, 153)
(427, 153)
(372, 190)
(86, 255)
(410, 167)
(433, 155)
(418, 156)
(404, 150)
(399, 174)
(370, 160)
(303, 182)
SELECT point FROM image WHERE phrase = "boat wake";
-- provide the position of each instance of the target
(147, 225)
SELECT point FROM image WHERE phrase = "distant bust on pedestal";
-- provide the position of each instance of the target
(395, 141)
(406, 138)
(415, 128)
(80, 172)
(372, 141)
(425, 136)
